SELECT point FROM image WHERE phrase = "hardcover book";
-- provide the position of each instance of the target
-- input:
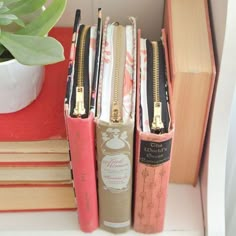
(193, 76)
(42, 197)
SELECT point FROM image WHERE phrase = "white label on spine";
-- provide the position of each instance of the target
(117, 225)
(116, 171)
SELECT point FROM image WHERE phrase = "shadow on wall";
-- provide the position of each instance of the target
(149, 13)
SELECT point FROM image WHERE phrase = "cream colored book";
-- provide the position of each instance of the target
(193, 75)
(47, 146)
(34, 158)
(35, 173)
(33, 198)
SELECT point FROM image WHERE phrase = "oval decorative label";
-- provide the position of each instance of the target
(116, 171)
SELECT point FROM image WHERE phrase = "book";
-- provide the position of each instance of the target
(193, 76)
(45, 146)
(36, 167)
(17, 159)
(37, 198)
(80, 121)
(115, 125)
(35, 173)
(154, 135)
(45, 152)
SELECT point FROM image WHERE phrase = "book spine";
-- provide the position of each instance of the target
(152, 165)
(115, 162)
(151, 184)
(82, 148)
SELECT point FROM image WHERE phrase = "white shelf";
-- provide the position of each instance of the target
(183, 218)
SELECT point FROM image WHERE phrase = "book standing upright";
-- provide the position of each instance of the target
(193, 75)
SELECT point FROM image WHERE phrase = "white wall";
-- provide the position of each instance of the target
(230, 190)
(149, 13)
(214, 166)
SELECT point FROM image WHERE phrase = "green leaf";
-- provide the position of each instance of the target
(20, 22)
(26, 7)
(3, 10)
(42, 25)
(8, 2)
(9, 16)
(32, 50)
(6, 19)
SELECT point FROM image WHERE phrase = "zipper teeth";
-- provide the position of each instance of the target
(116, 116)
(156, 94)
(79, 108)
(157, 124)
(117, 69)
(81, 56)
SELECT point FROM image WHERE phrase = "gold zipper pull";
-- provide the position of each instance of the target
(157, 124)
(115, 115)
(79, 106)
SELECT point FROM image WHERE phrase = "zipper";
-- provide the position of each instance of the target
(157, 90)
(79, 109)
(118, 73)
(69, 85)
(157, 124)
(75, 69)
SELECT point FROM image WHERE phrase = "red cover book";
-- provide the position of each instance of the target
(152, 165)
(81, 134)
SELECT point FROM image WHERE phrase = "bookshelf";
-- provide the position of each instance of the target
(190, 211)
(183, 217)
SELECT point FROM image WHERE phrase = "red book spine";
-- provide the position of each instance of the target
(81, 133)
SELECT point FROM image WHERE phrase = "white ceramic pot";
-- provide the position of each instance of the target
(19, 85)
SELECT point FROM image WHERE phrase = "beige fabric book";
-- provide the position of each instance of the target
(115, 126)
(193, 75)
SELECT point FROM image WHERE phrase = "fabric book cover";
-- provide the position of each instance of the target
(80, 122)
(115, 126)
(154, 136)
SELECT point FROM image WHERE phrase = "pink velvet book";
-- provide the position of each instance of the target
(152, 165)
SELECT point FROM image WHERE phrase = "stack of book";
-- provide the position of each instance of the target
(35, 175)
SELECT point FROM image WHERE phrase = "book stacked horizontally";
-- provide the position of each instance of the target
(35, 175)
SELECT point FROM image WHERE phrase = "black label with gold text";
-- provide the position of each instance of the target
(153, 153)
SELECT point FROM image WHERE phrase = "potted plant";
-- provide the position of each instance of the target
(25, 48)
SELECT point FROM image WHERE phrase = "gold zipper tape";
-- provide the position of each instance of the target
(79, 109)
